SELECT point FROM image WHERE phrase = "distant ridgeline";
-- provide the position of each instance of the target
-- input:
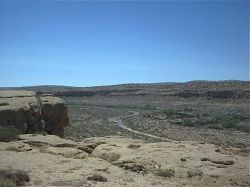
(209, 89)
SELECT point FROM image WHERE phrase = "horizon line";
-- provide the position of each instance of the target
(128, 83)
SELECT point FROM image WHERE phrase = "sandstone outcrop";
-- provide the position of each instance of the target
(55, 114)
(31, 113)
(52, 161)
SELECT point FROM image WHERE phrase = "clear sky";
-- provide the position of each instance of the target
(83, 43)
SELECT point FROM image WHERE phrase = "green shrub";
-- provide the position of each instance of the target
(188, 109)
(203, 121)
(198, 115)
(229, 122)
(244, 128)
(9, 133)
(205, 114)
(188, 122)
(217, 118)
(149, 107)
(170, 112)
(215, 126)
(240, 116)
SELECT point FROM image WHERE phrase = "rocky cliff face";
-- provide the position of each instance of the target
(55, 115)
(31, 113)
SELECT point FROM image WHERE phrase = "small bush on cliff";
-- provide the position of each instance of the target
(9, 133)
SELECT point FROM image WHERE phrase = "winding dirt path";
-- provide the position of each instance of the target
(120, 124)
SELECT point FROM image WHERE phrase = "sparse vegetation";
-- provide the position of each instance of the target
(215, 126)
(244, 128)
(205, 114)
(9, 133)
(188, 122)
(164, 117)
(203, 121)
(229, 122)
(188, 109)
(170, 112)
(232, 121)
(149, 107)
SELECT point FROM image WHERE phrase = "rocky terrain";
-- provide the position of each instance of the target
(31, 113)
(118, 161)
(167, 134)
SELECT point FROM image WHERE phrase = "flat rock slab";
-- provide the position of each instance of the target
(51, 100)
(67, 166)
(8, 103)
(52, 161)
(50, 140)
(10, 93)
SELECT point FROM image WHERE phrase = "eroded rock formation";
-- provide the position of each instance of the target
(31, 113)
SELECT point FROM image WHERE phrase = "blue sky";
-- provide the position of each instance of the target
(83, 43)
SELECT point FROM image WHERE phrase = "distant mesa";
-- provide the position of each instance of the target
(229, 89)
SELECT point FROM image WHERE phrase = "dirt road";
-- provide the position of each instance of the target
(118, 122)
